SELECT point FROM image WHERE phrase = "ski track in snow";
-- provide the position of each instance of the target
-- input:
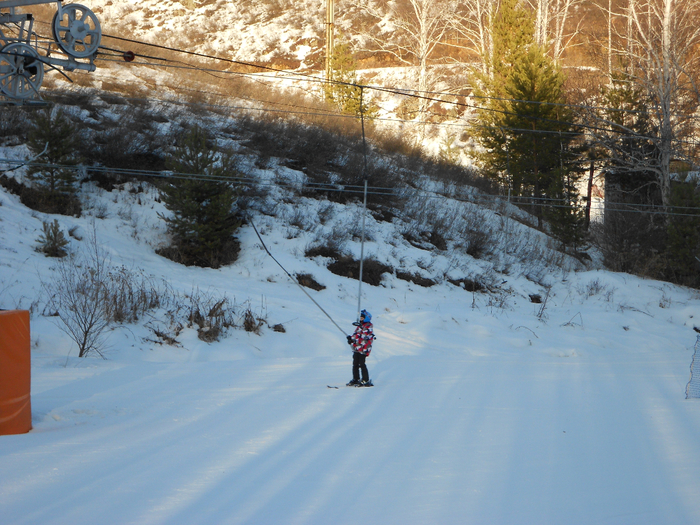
(438, 440)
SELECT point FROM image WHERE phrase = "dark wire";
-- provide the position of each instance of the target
(295, 281)
(482, 199)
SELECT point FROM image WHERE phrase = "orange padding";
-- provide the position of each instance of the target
(15, 373)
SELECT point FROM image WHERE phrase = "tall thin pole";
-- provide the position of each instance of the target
(364, 201)
(330, 22)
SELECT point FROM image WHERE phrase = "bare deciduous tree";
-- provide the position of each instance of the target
(79, 294)
(472, 22)
(657, 52)
(552, 24)
(665, 39)
(411, 31)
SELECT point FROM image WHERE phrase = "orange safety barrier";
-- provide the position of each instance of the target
(15, 373)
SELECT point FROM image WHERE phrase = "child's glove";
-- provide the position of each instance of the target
(349, 339)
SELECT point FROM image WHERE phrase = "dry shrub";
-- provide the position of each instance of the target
(470, 285)
(372, 270)
(329, 249)
(477, 242)
(415, 279)
(210, 313)
(307, 280)
(43, 200)
(79, 293)
(132, 294)
(252, 323)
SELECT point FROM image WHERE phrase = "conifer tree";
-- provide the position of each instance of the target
(512, 30)
(630, 239)
(342, 90)
(683, 243)
(55, 138)
(523, 126)
(202, 200)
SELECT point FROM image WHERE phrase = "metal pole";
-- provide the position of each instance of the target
(362, 252)
(364, 202)
(330, 21)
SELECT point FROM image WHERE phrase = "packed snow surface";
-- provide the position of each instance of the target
(487, 408)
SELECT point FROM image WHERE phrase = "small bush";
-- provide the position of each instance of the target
(79, 293)
(330, 250)
(477, 242)
(195, 257)
(372, 269)
(469, 285)
(251, 323)
(43, 200)
(381, 213)
(52, 242)
(437, 240)
(307, 280)
(415, 279)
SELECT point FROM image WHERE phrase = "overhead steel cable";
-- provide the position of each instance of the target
(480, 199)
(400, 92)
(424, 94)
(580, 126)
(295, 281)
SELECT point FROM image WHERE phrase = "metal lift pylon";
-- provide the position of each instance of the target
(25, 55)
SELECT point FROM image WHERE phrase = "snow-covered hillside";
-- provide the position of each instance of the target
(488, 408)
(268, 31)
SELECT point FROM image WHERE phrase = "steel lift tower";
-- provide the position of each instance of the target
(25, 54)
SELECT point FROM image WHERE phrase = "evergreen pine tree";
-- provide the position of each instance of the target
(631, 240)
(626, 114)
(544, 160)
(52, 242)
(55, 138)
(203, 204)
(683, 243)
(342, 90)
(513, 32)
(523, 127)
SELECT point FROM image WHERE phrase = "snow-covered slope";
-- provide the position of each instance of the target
(265, 31)
(487, 408)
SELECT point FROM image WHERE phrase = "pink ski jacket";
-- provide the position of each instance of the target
(362, 338)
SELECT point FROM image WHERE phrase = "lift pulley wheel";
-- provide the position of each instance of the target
(21, 71)
(77, 30)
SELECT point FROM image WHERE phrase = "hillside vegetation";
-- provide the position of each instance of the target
(562, 108)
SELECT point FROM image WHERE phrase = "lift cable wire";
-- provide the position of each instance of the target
(364, 204)
(295, 281)
(403, 91)
(613, 128)
(479, 200)
(380, 119)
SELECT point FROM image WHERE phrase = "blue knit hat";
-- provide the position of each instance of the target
(366, 315)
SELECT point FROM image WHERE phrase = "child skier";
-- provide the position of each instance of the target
(361, 342)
